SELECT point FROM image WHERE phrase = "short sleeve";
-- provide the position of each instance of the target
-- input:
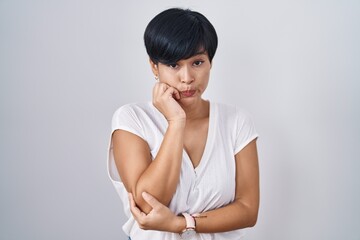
(245, 130)
(127, 118)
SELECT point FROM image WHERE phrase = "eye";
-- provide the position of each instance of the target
(198, 63)
(173, 65)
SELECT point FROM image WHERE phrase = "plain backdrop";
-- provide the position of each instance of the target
(66, 66)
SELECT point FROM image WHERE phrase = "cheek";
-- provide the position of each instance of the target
(204, 81)
(167, 77)
(203, 86)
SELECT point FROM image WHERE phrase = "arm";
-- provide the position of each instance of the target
(241, 213)
(139, 173)
(132, 154)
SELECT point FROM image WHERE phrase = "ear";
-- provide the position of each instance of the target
(154, 67)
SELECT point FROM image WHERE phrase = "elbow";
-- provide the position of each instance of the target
(252, 217)
(250, 214)
(252, 220)
(140, 202)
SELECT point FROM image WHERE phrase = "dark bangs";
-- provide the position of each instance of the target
(177, 34)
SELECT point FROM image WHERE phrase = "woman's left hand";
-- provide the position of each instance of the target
(159, 218)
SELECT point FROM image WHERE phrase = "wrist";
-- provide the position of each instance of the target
(178, 123)
(189, 231)
(179, 224)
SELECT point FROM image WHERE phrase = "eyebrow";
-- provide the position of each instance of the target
(200, 53)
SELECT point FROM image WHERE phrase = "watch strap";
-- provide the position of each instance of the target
(190, 221)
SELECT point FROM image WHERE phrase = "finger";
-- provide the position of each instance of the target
(171, 92)
(163, 87)
(159, 89)
(133, 207)
(156, 89)
(176, 94)
(155, 204)
(137, 213)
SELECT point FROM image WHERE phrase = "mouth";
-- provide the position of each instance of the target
(187, 93)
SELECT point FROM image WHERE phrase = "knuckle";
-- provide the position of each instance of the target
(156, 101)
(143, 226)
(142, 222)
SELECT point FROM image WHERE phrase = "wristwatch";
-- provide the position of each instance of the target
(189, 231)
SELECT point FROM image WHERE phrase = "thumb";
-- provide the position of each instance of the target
(153, 202)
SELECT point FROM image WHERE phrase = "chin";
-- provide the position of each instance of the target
(189, 100)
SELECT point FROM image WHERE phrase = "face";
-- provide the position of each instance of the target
(189, 76)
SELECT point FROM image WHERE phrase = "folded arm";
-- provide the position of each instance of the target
(241, 213)
(140, 173)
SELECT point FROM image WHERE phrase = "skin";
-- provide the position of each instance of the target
(152, 183)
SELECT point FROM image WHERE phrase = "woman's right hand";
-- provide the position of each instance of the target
(165, 100)
(159, 218)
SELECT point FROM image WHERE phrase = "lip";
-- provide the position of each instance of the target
(187, 93)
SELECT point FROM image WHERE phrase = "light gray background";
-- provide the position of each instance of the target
(65, 66)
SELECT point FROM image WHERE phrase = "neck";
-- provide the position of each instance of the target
(197, 111)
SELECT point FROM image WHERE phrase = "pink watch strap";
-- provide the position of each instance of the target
(190, 221)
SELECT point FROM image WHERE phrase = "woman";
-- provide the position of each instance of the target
(184, 167)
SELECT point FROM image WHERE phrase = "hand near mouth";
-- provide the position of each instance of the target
(165, 100)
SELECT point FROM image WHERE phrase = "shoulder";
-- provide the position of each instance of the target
(133, 107)
(131, 113)
(133, 110)
(233, 117)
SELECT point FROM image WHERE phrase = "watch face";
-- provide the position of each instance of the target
(188, 234)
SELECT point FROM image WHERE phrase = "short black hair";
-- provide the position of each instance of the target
(176, 34)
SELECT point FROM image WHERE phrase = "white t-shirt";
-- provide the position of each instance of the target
(210, 185)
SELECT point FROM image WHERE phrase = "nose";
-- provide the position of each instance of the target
(187, 76)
